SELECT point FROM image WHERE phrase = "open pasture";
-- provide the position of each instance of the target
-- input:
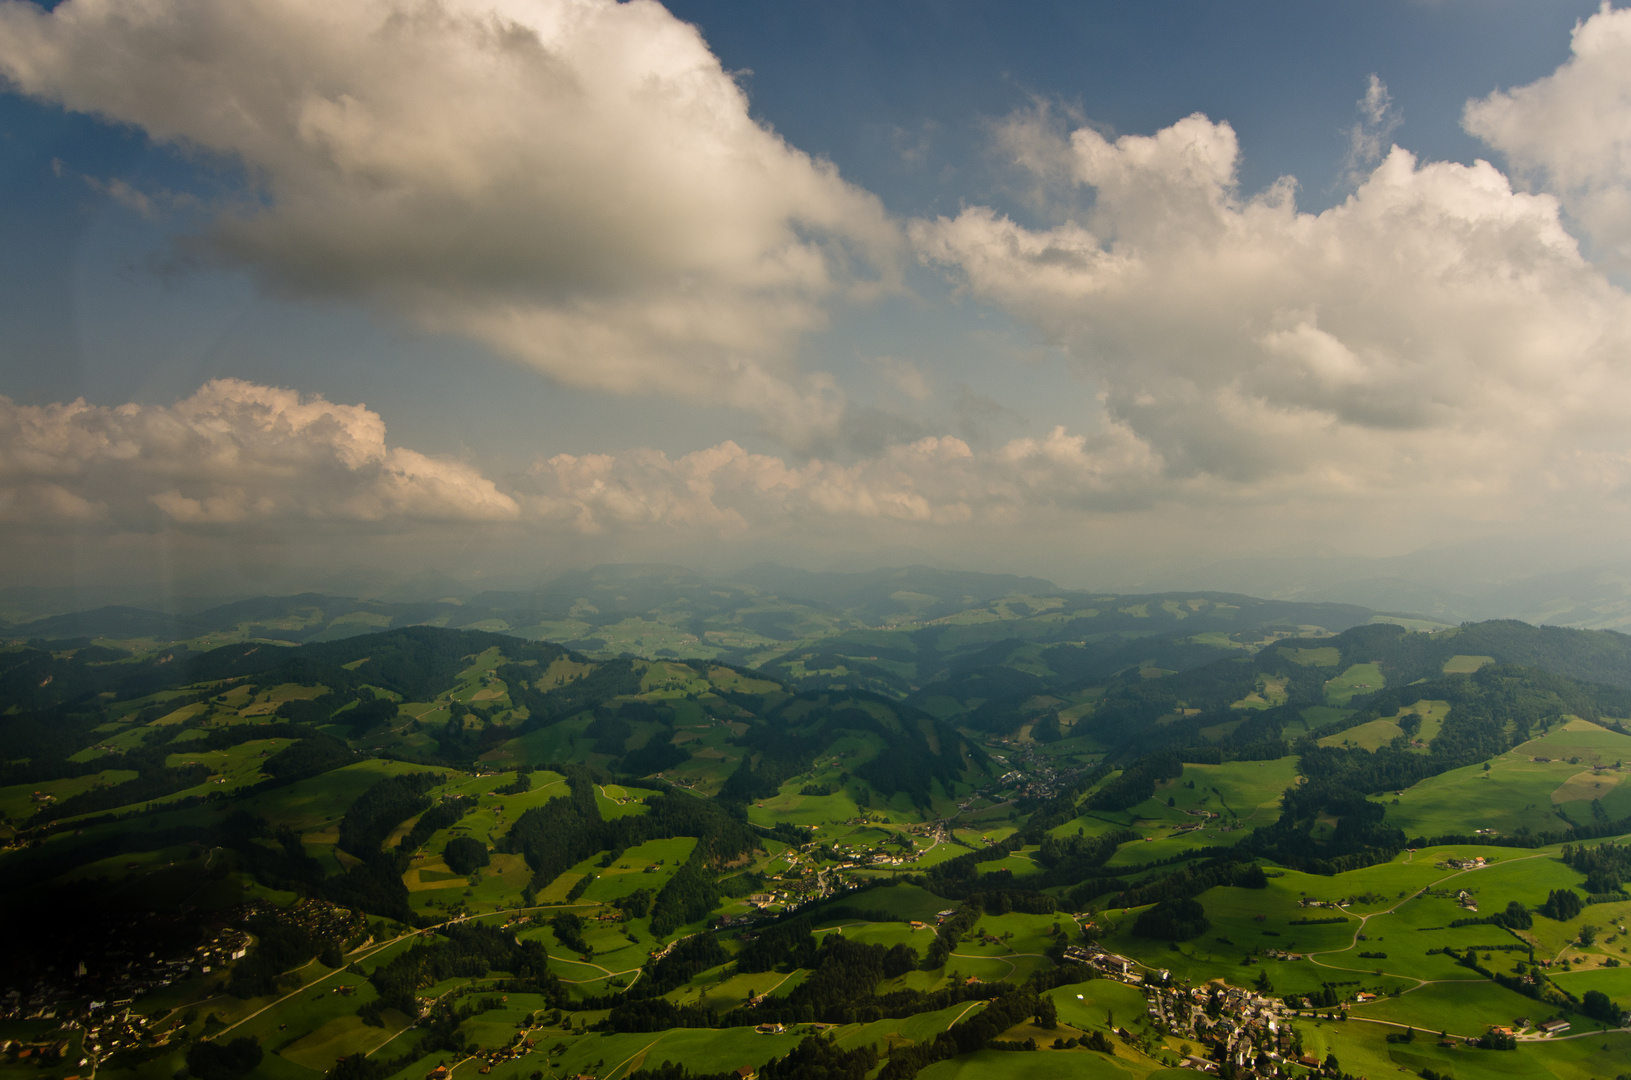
(614, 1056)
(1317, 716)
(1461, 1008)
(887, 934)
(1015, 932)
(791, 806)
(319, 1002)
(1237, 932)
(1432, 715)
(1020, 864)
(1323, 656)
(1406, 944)
(1558, 939)
(1615, 982)
(1579, 738)
(647, 866)
(1089, 1006)
(1161, 844)
(1361, 1048)
(1587, 785)
(17, 801)
(901, 901)
(1510, 873)
(1236, 788)
(1243, 793)
(340, 1037)
(1357, 679)
(322, 799)
(235, 766)
(1043, 1065)
(1371, 736)
(1515, 794)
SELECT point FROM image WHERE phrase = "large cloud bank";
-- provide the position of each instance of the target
(579, 184)
(1571, 131)
(1436, 332)
(236, 454)
(576, 183)
(233, 455)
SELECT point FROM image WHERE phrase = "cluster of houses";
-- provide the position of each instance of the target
(1281, 954)
(325, 920)
(1246, 1029)
(119, 969)
(1108, 963)
(109, 1027)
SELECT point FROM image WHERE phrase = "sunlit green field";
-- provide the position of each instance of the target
(17, 801)
(306, 1026)
(1370, 736)
(1519, 792)
(1357, 679)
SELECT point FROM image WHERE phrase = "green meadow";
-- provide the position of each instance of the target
(1357, 679)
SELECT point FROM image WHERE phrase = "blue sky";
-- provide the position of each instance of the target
(833, 283)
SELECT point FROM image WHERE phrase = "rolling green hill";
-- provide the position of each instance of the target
(904, 810)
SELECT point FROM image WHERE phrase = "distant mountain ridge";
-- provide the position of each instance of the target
(1470, 583)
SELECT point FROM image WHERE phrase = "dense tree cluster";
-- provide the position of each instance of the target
(568, 928)
(816, 1058)
(445, 814)
(465, 854)
(606, 680)
(281, 945)
(1137, 782)
(1607, 866)
(564, 831)
(1173, 919)
(379, 810)
(223, 1061)
(657, 754)
(1229, 868)
(468, 950)
(788, 944)
(1515, 917)
(1562, 905)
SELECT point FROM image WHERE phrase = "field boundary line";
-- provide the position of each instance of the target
(637, 1054)
(959, 1018)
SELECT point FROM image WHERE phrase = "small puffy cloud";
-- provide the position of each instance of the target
(1571, 130)
(576, 183)
(233, 454)
(1437, 332)
(1378, 120)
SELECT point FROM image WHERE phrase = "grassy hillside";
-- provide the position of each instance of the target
(903, 819)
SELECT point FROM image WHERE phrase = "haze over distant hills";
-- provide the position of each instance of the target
(1465, 582)
(1452, 585)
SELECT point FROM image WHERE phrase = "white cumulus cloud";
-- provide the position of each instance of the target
(1572, 129)
(576, 183)
(934, 482)
(233, 455)
(1435, 333)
